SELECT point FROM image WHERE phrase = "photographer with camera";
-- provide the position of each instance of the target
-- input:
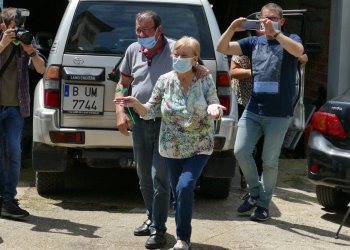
(17, 53)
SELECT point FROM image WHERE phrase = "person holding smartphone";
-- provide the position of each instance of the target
(274, 59)
(240, 72)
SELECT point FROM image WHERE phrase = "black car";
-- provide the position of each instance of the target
(328, 153)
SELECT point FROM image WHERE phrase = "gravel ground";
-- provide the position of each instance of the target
(100, 210)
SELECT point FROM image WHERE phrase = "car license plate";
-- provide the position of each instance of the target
(83, 99)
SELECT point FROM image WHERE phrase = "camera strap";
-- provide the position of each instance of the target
(8, 60)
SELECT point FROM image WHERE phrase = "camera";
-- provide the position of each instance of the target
(22, 35)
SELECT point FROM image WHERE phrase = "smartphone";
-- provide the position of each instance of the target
(251, 24)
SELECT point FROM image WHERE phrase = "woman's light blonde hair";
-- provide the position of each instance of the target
(189, 42)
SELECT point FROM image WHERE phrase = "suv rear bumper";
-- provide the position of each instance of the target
(107, 147)
(45, 121)
(48, 158)
(332, 162)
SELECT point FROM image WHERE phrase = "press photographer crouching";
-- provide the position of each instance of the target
(17, 53)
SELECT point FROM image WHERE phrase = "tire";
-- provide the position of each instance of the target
(332, 198)
(50, 182)
(216, 188)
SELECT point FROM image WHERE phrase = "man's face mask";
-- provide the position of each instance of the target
(148, 42)
(276, 25)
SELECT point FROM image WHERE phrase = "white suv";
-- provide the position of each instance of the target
(73, 113)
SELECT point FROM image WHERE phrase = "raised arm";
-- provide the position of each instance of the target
(293, 47)
(225, 45)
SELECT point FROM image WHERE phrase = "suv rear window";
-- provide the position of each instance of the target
(109, 27)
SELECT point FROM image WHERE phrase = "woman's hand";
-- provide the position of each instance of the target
(215, 110)
(128, 101)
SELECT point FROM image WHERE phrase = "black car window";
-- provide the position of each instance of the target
(108, 28)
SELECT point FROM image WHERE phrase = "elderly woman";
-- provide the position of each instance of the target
(188, 106)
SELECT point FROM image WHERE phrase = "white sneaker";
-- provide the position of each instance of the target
(182, 245)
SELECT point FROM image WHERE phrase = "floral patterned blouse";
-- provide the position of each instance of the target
(186, 128)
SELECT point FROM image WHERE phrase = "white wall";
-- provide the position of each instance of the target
(339, 49)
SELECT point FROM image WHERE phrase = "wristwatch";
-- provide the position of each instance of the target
(276, 34)
(32, 54)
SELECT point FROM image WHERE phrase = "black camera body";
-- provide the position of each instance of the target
(22, 35)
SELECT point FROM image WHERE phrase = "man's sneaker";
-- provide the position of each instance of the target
(260, 214)
(11, 209)
(248, 204)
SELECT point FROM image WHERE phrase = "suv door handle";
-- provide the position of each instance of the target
(217, 126)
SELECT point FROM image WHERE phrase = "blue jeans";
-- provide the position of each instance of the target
(153, 178)
(250, 128)
(183, 175)
(11, 126)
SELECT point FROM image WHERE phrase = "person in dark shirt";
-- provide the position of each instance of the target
(274, 59)
(15, 56)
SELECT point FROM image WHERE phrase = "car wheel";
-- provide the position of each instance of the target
(217, 188)
(50, 182)
(332, 198)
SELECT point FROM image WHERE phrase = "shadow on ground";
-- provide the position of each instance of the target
(117, 191)
(58, 226)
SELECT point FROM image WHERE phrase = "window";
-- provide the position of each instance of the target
(109, 27)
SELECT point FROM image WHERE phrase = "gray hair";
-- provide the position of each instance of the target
(149, 14)
(273, 6)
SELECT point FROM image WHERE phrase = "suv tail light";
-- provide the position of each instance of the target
(67, 137)
(314, 169)
(224, 90)
(52, 87)
(328, 124)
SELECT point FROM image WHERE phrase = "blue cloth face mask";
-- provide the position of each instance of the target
(182, 65)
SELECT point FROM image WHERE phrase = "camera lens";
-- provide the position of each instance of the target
(24, 36)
